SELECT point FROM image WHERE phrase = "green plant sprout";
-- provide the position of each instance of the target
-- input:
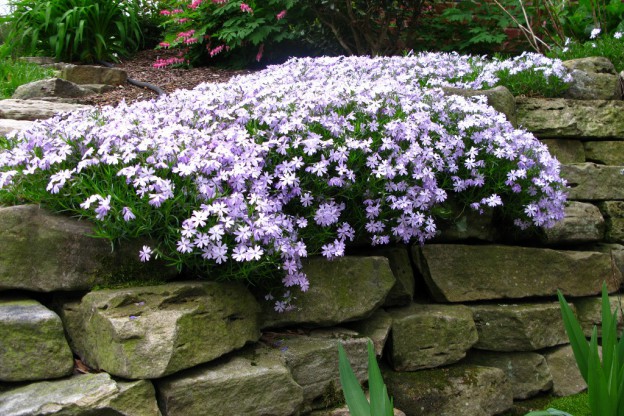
(605, 380)
(380, 403)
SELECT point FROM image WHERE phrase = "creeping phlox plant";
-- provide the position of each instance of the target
(257, 173)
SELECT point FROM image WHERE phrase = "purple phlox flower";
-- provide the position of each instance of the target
(145, 254)
(127, 214)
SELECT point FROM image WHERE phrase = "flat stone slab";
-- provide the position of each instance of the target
(592, 182)
(153, 331)
(376, 327)
(341, 290)
(251, 383)
(519, 327)
(561, 118)
(613, 212)
(86, 394)
(450, 391)
(527, 372)
(35, 109)
(604, 152)
(566, 150)
(33, 344)
(9, 125)
(460, 273)
(91, 74)
(313, 362)
(430, 335)
(583, 223)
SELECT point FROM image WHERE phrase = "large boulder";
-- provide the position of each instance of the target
(91, 74)
(51, 87)
(150, 332)
(251, 383)
(35, 109)
(427, 336)
(460, 273)
(593, 78)
(341, 290)
(604, 152)
(87, 394)
(566, 150)
(561, 118)
(527, 372)
(583, 223)
(44, 252)
(450, 391)
(519, 327)
(33, 344)
(500, 98)
(313, 362)
(592, 182)
(567, 379)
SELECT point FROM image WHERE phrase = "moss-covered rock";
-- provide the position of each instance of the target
(253, 382)
(450, 391)
(561, 118)
(459, 273)
(313, 362)
(149, 332)
(527, 372)
(592, 182)
(44, 252)
(583, 223)
(427, 336)
(341, 290)
(519, 327)
(33, 344)
(87, 394)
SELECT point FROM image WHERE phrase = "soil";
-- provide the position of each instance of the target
(140, 67)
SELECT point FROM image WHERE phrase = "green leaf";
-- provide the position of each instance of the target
(353, 393)
(380, 404)
(576, 336)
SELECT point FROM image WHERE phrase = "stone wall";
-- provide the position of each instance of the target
(466, 324)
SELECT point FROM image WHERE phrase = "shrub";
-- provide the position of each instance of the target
(201, 29)
(70, 30)
(370, 27)
(299, 159)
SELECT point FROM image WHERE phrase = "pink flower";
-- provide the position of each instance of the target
(164, 45)
(195, 4)
(177, 11)
(245, 8)
(216, 50)
(281, 15)
(190, 41)
(184, 19)
(219, 1)
(165, 12)
(259, 54)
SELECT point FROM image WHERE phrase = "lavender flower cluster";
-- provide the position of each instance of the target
(295, 159)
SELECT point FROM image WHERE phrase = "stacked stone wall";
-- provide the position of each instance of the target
(466, 324)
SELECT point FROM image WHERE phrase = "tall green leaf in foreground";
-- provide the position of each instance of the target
(380, 403)
(605, 379)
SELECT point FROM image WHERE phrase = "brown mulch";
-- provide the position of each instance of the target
(140, 67)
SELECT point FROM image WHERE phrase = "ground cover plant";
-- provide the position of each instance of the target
(244, 179)
(15, 73)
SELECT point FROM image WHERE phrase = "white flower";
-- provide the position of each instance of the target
(594, 33)
(617, 35)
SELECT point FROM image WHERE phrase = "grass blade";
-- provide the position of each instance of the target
(576, 336)
(353, 393)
